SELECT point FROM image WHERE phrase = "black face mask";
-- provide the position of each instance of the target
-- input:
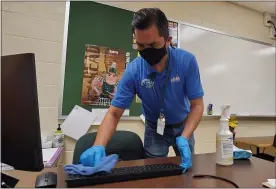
(152, 55)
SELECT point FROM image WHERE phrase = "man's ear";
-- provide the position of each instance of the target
(169, 40)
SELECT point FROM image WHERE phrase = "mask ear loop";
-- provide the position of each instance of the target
(169, 56)
(172, 45)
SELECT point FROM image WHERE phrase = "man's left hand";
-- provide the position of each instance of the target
(185, 152)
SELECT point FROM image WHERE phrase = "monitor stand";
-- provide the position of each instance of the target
(8, 181)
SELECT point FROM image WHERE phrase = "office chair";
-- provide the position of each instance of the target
(126, 144)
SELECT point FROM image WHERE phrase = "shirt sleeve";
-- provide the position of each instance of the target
(125, 91)
(194, 88)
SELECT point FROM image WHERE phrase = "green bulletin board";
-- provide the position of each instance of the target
(97, 24)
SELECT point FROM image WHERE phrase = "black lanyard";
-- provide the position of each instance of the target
(162, 99)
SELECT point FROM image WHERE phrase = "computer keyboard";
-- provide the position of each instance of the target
(125, 174)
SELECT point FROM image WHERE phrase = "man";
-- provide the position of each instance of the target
(167, 80)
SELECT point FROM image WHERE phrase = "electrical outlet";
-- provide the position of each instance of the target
(267, 17)
(272, 33)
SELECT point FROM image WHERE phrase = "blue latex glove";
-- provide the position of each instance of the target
(105, 165)
(92, 156)
(185, 152)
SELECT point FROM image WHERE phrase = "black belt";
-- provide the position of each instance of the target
(176, 125)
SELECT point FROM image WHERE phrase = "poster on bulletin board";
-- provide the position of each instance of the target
(102, 70)
(81, 66)
(134, 42)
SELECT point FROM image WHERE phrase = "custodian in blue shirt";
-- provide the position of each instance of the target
(184, 85)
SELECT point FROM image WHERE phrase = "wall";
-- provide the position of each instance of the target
(222, 16)
(38, 27)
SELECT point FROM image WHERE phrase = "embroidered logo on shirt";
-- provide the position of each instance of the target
(175, 79)
(147, 83)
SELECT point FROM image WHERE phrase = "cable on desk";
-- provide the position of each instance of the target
(216, 177)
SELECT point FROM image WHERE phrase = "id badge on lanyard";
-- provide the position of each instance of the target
(162, 120)
(161, 124)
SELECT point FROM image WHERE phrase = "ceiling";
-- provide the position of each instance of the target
(260, 6)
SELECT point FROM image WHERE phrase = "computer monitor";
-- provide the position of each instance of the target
(21, 139)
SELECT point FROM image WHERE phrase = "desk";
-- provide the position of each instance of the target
(259, 142)
(245, 173)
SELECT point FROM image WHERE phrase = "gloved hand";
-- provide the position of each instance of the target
(185, 152)
(105, 165)
(92, 156)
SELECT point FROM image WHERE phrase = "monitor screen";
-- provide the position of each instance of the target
(20, 136)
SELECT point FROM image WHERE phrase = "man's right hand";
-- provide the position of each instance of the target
(92, 156)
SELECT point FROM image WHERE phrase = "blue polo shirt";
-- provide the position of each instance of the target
(184, 84)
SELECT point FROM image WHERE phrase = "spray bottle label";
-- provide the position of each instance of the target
(227, 148)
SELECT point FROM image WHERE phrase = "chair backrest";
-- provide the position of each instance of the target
(126, 144)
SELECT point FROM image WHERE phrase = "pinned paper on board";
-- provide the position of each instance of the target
(77, 122)
(137, 99)
(99, 114)
(134, 45)
(173, 29)
(142, 117)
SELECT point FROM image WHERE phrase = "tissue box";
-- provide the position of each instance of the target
(46, 141)
(47, 144)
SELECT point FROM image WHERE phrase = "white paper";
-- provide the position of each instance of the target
(243, 114)
(126, 113)
(272, 182)
(100, 113)
(48, 153)
(77, 122)
(143, 118)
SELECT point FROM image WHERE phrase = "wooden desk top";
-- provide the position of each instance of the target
(245, 173)
(262, 142)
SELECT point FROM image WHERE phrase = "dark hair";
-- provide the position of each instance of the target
(147, 17)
